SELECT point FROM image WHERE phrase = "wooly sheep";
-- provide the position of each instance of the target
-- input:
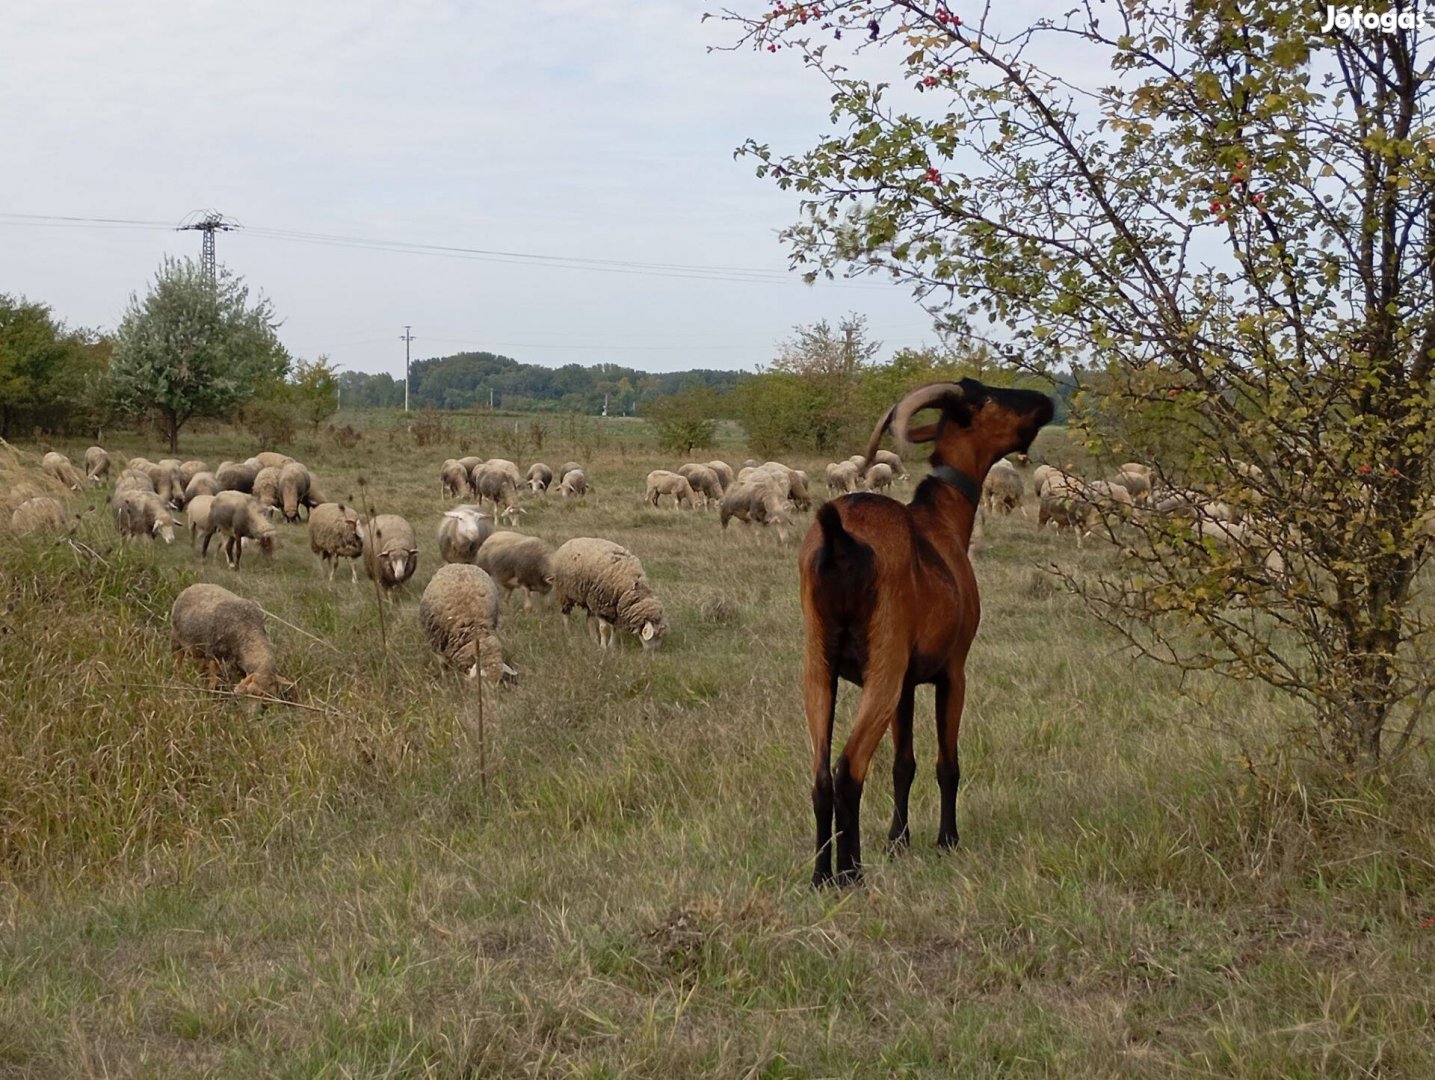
(461, 532)
(1068, 508)
(336, 532)
(201, 483)
(724, 472)
(755, 501)
(97, 464)
(843, 477)
(793, 483)
(1246, 541)
(496, 483)
(133, 480)
(36, 515)
(196, 514)
(188, 470)
(168, 481)
(459, 615)
(270, 457)
(142, 513)
(226, 632)
(266, 490)
(1040, 475)
(470, 463)
(564, 469)
(662, 482)
(879, 476)
(539, 477)
(1002, 490)
(573, 484)
(892, 461)
(606, 580)
(453, 480)
(239, 517)
(58, 465)
(1135, 483)
(704, 481)
(236, 476)
(516, 561)
(391, 552)
(294, 489)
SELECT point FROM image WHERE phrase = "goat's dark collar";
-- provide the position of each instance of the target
(959, 480)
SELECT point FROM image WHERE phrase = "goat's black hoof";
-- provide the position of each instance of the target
(947, 841)
(850, 879)
(898, 841)
(822, 879)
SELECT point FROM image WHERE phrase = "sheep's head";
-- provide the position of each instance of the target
(652, 632)
(268, 542)
(512, 513)
(538, 485)
(163, 527)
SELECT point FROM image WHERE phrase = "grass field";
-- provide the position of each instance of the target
(332, 889)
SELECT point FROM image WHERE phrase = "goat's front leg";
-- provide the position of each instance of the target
(904, 767)
(951, 695)
(875, 714)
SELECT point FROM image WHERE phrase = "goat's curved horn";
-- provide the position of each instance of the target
(898, 418)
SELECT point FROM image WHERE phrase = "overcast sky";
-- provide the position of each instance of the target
(597, 129)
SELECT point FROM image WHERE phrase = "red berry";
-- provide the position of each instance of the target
(1364, 470)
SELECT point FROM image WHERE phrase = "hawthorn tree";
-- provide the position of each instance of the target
(1219, 205)
(194, 347)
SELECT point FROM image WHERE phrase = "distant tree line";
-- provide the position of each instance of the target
(474, 379)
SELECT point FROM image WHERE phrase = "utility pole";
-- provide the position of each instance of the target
(406, 339)
(207, 222)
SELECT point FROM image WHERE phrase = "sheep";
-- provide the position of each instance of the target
(226, 632)
(493, 480)
(266, 489)
(133, 480)
(889, 601)
(892, 461)
(573, 484)
(793, 481)
(336, 532)
(239, 517)
(1242, 539)
(470, 463)
(236, 476)
(1137, 484)
(755, 501)
(662, 482)
(724, 472)
(459, 614)
(1067, 508)
(461, 532)
(606, 580)
(58, 465)
(188, 470)
(97, 464)
(201, 483)
(453, 478)
(267, 458)
(37, 514)
(391, 552)
(1003, 488)
(705, 482)
(539, 477)
(1040, 475)
(879, 476)
(142, 513)
(294, 488)
(168, 482)
(516, 561)
(566, 468)
(196, 514)
(843, 477)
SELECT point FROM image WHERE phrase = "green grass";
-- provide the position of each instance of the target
(194, 887)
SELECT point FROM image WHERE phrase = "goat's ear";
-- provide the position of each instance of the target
(925, 433)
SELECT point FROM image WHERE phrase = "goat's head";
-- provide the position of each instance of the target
(998, 420)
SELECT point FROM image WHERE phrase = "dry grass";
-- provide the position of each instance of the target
(199, 888)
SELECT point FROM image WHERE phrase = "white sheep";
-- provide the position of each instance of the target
(336, 532)
(236, 476)
(607, 581)
(516, 561)
(188, 470)
(1003, 487)
(539, 478)
(662, 482)
(892, 461)
(573, 484)
(239, 517)
(461, 532)
(459, 615)
(97, 464)
(756, 500)
(391, 552)
(724, 472)
(454, 482)
(142, 513)
(211, 624)
(58, 465)
(843, 477)
(201, 483)
(37, 514)
(704, 481)
(879, 476)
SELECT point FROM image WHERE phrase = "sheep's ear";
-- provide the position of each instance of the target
(155, 528)
(648, 631)
(549, 579)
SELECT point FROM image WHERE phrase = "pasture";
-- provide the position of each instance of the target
(333, 888)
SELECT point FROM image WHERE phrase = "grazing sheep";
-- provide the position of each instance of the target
(133, 480)
(892, 461)
(1068, 508)
(1040, 475)
(239, 517)
(756, 501)
(453, 478)
(705, 482)
(1246, 541)
(724, 473)
(97, 464)
(573, 484)
(497, 481)
(470, 463)
(749, 464)
(879, 476)
(459, 615)
(201, 483)
(37, 515)
(566, 468)
(606, 580)
(294, 485)
(266, 490)
(516, 561)
(461, 532)
(58, 465)
(336, 532)
(271, 458)
(391, 552)
(142, 513)
(843, 477)
(793, 481)
(236, 476)
(168, 481)
(1137, 484)
(226, 632)
(188, 470)
(1002, 490)
(662, 482)
(196, 514)
(539, 477)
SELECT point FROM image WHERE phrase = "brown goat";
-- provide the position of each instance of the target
(889, 602)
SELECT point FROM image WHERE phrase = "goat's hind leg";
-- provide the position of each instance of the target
(875, 713)
(819, 686)
(904, 768)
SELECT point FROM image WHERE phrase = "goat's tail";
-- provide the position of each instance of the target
(842, 558)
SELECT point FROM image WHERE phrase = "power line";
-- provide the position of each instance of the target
(207, 222)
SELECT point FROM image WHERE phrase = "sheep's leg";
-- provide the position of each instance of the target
(353, 570)
(904, 767)
(593, 631)
(819, 685)
(332, 562)
(875, 713)
(204, 549)
(951, 696)
(527, 598)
